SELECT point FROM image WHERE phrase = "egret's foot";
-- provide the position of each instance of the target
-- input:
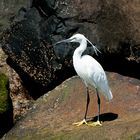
(80, 123)
(95, 124)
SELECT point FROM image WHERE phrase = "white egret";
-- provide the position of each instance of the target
(90, 71)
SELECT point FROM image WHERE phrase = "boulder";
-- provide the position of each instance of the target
(32, 56)
(112, 26)
(6, 108)
(53, 114)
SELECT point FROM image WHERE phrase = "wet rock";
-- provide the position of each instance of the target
(53, 114)
(6, 108)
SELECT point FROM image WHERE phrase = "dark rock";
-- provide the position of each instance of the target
(53, 114)
(26, 44)
(6, 108)
(45, 7)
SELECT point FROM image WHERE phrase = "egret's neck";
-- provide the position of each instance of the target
(78, 52)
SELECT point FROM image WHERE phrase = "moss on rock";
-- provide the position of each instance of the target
(4, 99)
(6, 109)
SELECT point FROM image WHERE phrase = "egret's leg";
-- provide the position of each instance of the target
(97, 123)
(99, 102)
(87, 103)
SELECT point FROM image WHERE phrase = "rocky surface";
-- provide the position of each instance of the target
(53, 114)
(114, 27)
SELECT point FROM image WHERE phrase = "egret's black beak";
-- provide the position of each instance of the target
(66, 40)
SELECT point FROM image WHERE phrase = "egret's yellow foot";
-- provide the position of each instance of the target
(95, 124)
(80, 123)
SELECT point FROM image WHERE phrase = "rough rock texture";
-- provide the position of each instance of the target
(114, 27)
(53, 114)
(31, 56)
(18, 93)
(6, 111)
(8, 9)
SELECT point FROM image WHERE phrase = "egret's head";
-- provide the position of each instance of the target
(78, 38)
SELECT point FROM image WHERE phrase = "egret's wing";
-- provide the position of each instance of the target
(101, 82)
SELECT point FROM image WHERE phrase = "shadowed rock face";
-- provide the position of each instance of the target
(53, 114)
(113, 26)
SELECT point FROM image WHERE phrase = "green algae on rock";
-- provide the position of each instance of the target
(6, 109)
(4, 105)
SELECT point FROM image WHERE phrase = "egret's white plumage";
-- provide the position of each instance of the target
(89, 70)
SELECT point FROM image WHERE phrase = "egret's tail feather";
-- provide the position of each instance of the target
(109, 95)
